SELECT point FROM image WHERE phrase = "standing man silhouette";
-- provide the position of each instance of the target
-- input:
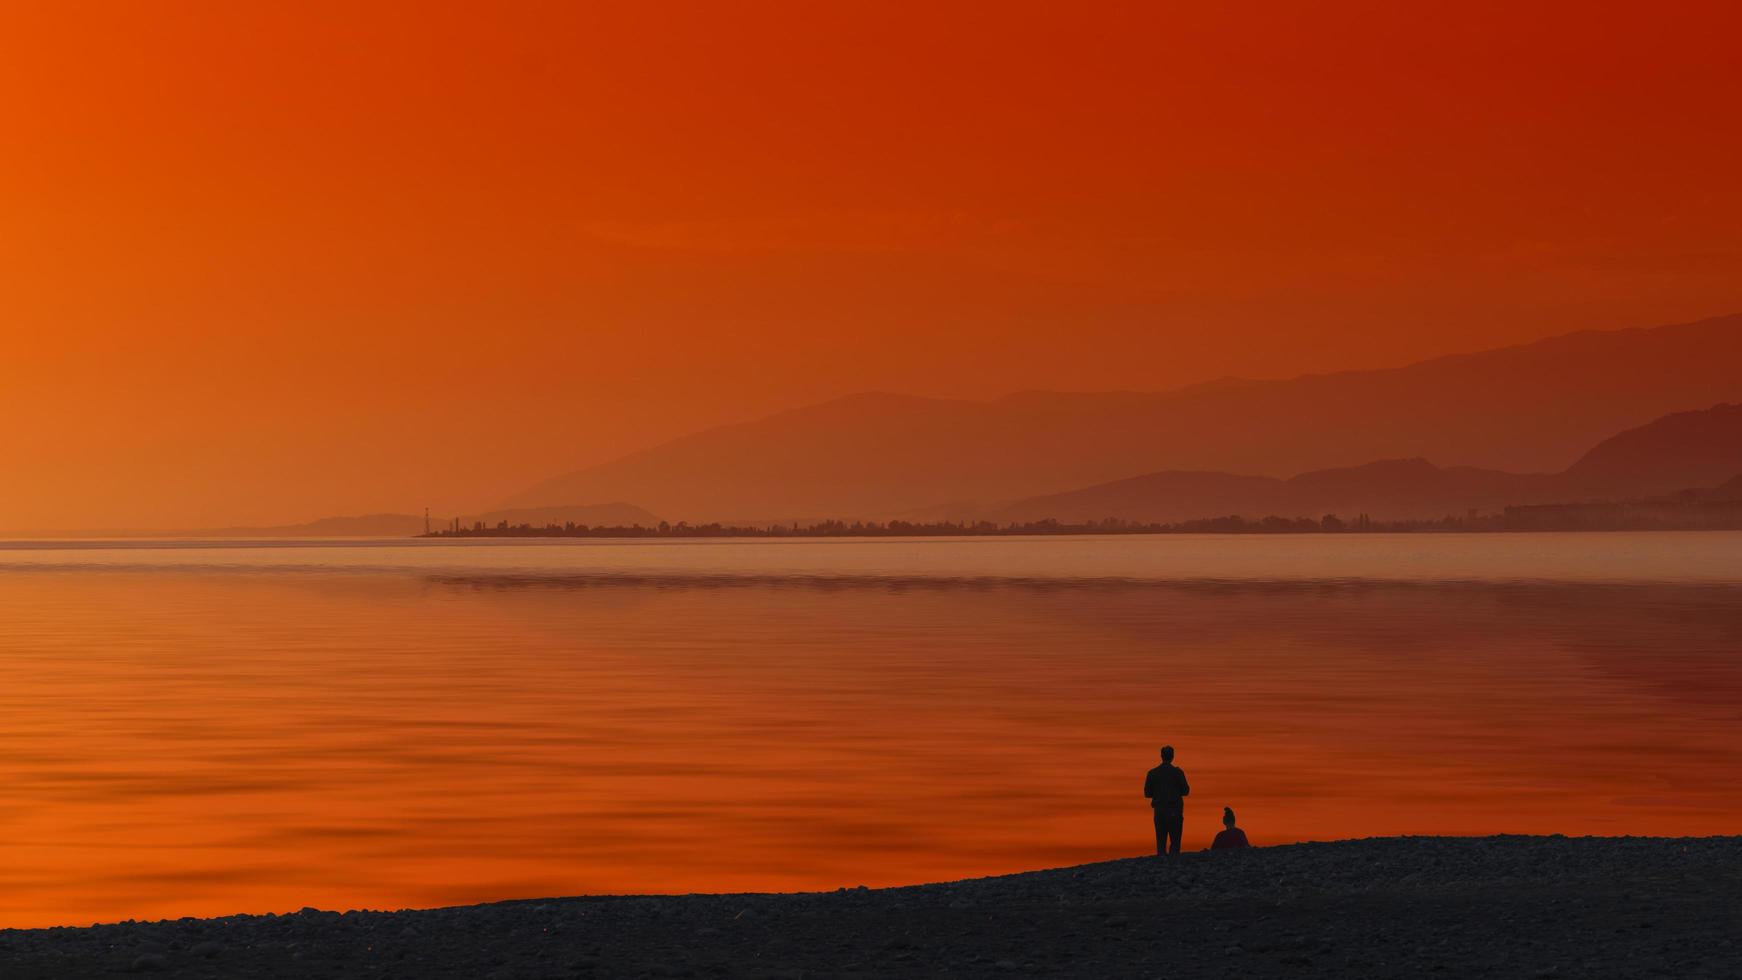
(1167, 790)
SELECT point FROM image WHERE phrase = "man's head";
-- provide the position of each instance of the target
(1167, 753)
(1227, 816)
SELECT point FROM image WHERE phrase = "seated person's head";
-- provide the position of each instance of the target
(1227, 816)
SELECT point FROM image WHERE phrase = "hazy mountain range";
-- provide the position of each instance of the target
(1685, 450)
(1506, 422)
(1535, 423)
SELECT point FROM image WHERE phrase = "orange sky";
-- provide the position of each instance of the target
(263, 263)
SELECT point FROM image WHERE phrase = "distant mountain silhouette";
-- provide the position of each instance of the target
(1686, 450)
(1528, 408)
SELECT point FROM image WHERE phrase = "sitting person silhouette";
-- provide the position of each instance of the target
(1231, 836)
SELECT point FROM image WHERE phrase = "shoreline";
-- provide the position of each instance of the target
(1503, 906)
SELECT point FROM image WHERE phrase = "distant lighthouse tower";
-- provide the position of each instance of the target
(426, 522)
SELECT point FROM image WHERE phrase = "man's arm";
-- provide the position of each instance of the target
(1185, 788)
(1149, 785)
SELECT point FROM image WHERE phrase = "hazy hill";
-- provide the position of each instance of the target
(1687, 449)
(1680, 451)
(1533, 407)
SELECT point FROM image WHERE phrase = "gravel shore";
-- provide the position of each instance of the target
(1534, 907)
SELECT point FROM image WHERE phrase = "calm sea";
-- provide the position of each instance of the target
(206, 728)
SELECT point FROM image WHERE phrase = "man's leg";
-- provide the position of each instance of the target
(1160, 832)
(1175, 826)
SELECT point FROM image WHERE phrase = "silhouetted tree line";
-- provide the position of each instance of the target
(1598, 516)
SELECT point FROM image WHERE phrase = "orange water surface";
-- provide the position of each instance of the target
(203, 733)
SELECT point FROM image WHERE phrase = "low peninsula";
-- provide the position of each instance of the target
(1697, 516)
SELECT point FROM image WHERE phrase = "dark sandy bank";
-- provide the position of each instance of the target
(1418, 907)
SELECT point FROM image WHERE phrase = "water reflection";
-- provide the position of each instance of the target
(187, 742)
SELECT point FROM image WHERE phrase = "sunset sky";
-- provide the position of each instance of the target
(269, 262)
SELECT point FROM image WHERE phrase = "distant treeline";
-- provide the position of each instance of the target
(1707, 515)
